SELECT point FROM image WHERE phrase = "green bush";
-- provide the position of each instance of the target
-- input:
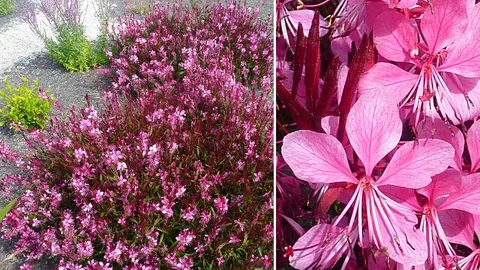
(6, 7)
(141, 8)
(28, 106)
(73, 50)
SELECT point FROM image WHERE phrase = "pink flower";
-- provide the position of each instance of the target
(374, 129)
(189, 214)
(185, 238)
(454, 136)
(85, 249)
(221, 204)
(446, 207)
(26, 267)
(184, 263)
(443, 76)
(79, 154)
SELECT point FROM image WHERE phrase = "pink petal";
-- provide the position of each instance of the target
(414, 163)
(404, 196)
(458, 227)
(316, 157)
(341, 47)
(466, 198)
(395, 36)
(407, 3)
(305, 17)
(330, 124)
(311, 243)
(464, 58)
(473, 143)
(374, 128)
(473, 16)
(461, 109)
(442, 184)
(477, 224)
(373, 9)
(444, 133)
(438, 29)
(342, 79)
(393, 82)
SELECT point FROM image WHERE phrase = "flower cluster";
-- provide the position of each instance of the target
(146, 53)
(380, 125)
(178, 177)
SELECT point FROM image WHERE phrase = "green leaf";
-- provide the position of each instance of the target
(7, 209)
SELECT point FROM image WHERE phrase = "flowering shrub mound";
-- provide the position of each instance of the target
(378, 128)
(180, 177)
(151, 50)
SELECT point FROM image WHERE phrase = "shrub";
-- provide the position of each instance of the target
(141, 8)
(72, 49)
(6, 7)
(68, 44)
(149, 51)
(181, 176)
(29, 107)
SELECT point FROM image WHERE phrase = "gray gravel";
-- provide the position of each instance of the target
(22, 54)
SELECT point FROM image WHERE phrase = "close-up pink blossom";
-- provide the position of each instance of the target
(378, 159)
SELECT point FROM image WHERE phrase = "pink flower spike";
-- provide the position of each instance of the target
(316, 158)
(374, 129)
(413, 165)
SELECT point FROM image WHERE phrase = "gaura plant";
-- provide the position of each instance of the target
(378, 137)
(178, 177)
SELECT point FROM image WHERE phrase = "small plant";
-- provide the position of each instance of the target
(141, 8)
(29, 107)
(6, 7)
(73, 50)
(68, 44)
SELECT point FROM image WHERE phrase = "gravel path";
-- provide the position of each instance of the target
(22, 54)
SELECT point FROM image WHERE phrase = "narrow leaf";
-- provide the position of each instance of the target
(7, 209)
